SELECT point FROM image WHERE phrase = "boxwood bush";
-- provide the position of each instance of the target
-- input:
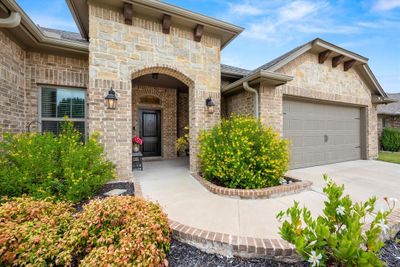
(119, 231)
(390, 139)
(44, 165)
(242, 153)
(32, 231)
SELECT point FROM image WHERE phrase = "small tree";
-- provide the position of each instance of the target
(339, 237)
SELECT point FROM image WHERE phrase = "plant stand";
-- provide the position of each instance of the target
(137, 161)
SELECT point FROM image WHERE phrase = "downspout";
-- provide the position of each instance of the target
(12, 21)
(255, 92)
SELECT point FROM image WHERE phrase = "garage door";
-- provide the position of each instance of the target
(321, 133)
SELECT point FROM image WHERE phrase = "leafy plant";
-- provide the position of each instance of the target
(241, 153)
(339, 237)
(119, 231)
(31, 231)
(44, 165)
(390, 139)
(182, 143)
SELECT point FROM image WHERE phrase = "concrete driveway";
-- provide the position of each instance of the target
(362, 178)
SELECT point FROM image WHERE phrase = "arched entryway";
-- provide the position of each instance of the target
(160, 110)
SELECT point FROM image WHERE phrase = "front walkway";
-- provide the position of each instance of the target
(186, 201)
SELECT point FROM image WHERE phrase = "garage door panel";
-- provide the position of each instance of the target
(321, 133)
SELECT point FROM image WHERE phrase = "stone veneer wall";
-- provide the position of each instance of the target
(22, 74)
(118, 52)
(168, 97)
(319, 81)
(12, 86)
(241, 103)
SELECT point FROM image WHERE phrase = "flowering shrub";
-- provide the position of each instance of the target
(31, 231)
(119, 231)
(44, 165)
(242, 153)
(339, 237)
(137, 140)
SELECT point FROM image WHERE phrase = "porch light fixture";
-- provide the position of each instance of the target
(154, 76)
(111, 99)
(210, 105)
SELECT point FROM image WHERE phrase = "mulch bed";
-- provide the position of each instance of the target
(391, 252)
(183, 255)
(128, 186)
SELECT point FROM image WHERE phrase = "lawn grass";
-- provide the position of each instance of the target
(393, 157)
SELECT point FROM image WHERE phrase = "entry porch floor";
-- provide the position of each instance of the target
(186, 201)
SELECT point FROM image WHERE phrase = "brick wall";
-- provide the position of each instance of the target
(51, 70)
(22, 74)
(12, 86)
(391, 121)
(240, 104)
(119, 53)
(168, 102)
(183, 113)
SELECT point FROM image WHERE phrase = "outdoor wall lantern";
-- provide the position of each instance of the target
(210, 105)
(111, 99)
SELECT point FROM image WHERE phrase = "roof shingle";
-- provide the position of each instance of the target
(392, 108)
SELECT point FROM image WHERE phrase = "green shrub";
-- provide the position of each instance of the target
(241, 153)
(391, 139)
(339, 237)
(44, 165)
(119, 231)
(31, 231)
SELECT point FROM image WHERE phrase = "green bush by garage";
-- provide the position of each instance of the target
(242, 153)
(390, 139)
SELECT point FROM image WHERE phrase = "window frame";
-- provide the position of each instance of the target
(41, 119)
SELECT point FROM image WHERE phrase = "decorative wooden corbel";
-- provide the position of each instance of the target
(336, 61)
(349, 64)
(128, 13)
(198, 32)
(323, 56)
(166, 24)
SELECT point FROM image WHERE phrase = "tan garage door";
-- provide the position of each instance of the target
(321, 133)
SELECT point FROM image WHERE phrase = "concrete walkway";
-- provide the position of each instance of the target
(188, 202)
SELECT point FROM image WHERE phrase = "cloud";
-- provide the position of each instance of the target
(245, 9)
(297, 10)
(386, 5)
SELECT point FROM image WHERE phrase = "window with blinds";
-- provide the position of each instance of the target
(56, 103)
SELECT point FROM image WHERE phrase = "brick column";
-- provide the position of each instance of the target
(114, 126)
(271, 106)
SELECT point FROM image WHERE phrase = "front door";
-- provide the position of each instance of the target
(150, 132)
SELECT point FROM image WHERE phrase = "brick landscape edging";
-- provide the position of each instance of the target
(271, 192)
(246, 247)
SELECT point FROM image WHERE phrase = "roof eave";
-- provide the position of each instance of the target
(272, 78)
(339, 50)
(77, 19)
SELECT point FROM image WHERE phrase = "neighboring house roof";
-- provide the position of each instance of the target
(156, 9)
(235, 71)
(391, 109)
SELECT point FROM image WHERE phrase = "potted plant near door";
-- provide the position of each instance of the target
(137, 142)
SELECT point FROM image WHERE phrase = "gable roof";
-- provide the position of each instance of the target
(318, 45)
(391, 109)
(156, 9)
(63, 35)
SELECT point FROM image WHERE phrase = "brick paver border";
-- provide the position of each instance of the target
(247, 247)
(277, 191)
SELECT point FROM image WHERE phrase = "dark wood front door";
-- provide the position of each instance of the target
(150, 132)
